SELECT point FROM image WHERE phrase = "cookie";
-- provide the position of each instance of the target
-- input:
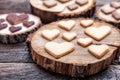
(110, 14)
(28, 23)
(84, 41)
(63, 1)
(23, 17)
(3, 26)
(15, 28)
(86, 23)
(98, 50)
(72, 7)
(50, 4)
(50, 34)
(115, 4)
(116, 15)
(13, 19)
(2, 20)
(58, 50)
(81, 2)
(67, 25)
(99, 32)
(107, 9)
(69, 36)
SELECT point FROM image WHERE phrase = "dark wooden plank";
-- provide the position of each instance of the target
(7, 6)
(29, 71)
(14, 53)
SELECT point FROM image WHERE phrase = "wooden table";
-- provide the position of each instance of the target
(16, 63)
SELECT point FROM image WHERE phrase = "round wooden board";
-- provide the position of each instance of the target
(79, 62)
(107, 18)
(49, 15)
(8, 37)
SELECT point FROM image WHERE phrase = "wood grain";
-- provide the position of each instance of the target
(14, 53)
(30, 71)
(71, 64)
(8, 6)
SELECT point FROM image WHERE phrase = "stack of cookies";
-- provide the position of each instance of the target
(74, 46)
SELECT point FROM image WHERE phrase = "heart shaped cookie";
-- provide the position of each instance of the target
(86, 23)
(2, 20)
(84, 41)
(116, 14)
(49, 4)
(50, 34)
(13, 19)
(15, 29)
(99, 32)
(72, 7)
(115, 4)
(3, 26)
(28, 23)
(69, 36)
(23, 17)
(63, 1)
(98, 50)
(81, 2)
(58, 50)
(107, 9)
(67, 25)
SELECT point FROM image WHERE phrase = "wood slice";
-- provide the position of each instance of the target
(108, 17)
(48, 16)
(79, 62)
(8, 37)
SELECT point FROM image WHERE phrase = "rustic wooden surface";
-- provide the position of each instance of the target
(16, 63)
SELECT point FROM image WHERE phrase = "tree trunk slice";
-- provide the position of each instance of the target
(12, 39)
(9, 38)
(47, 16)
(107, 17)
(79, 62)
